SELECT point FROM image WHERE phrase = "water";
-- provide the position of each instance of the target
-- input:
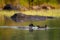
(14, 34)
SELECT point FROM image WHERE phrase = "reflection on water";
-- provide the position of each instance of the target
(54, 34)
(14, 34)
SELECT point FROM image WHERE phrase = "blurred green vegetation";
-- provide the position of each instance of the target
(31, 2)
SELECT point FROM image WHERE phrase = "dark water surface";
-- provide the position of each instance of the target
(14, 34)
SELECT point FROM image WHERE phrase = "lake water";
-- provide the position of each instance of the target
(15, 34)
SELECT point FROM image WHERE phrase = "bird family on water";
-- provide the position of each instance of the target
(32, 27)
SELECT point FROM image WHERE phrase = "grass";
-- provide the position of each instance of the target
(53, 13)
